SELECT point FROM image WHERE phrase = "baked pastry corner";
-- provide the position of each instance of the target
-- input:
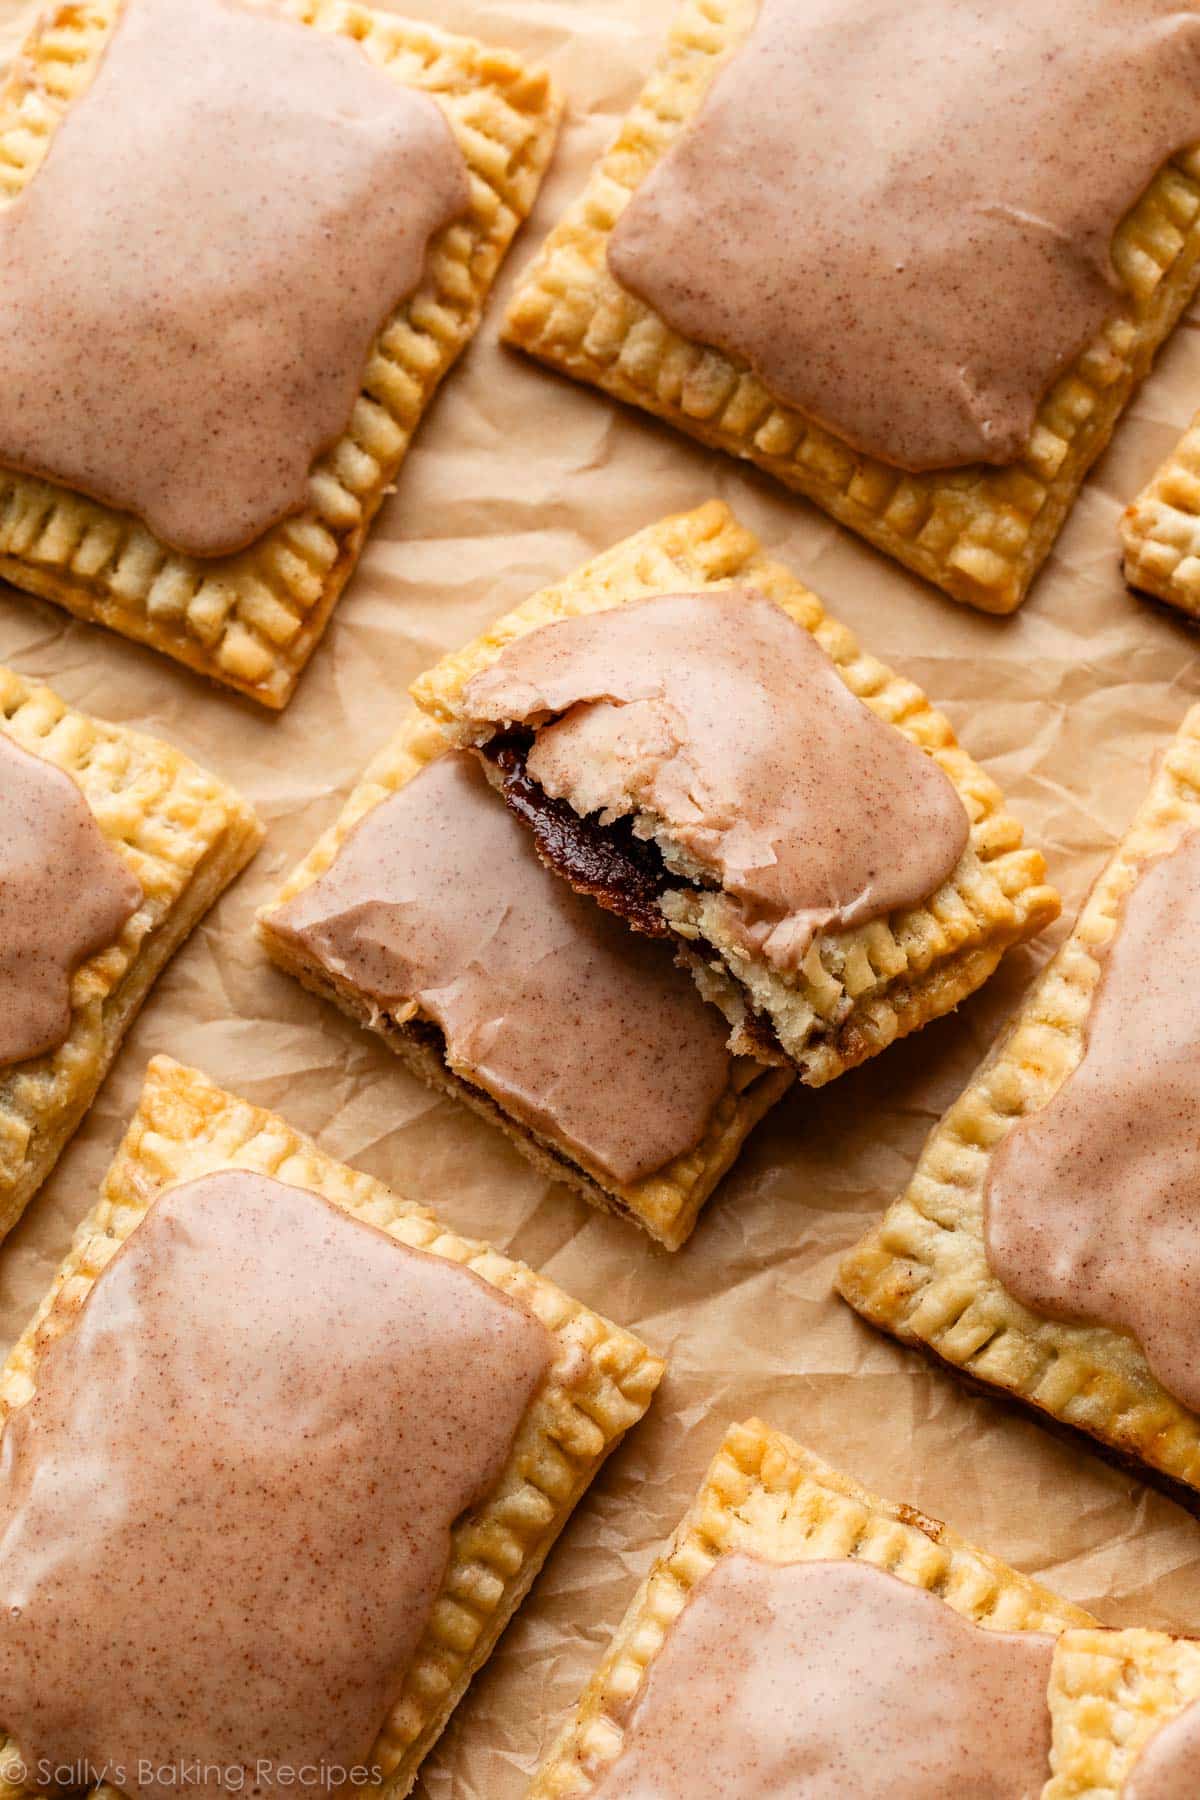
(667, 1203)
(1160, 530)
(1110, 1691)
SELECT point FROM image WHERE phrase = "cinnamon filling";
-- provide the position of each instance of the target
(717, 722)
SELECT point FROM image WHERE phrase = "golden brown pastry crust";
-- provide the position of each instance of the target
(923, 1274)
(979, 533)
(666, 1204)
(252, 620)
(600, 1384)
(1109, 1693)
(767, 1494)
(184, 835)
(1160, 530)
(861, 988)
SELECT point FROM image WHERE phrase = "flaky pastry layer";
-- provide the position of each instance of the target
(766, 1494)
(1110, 1691)
(923, 1274)
(252, 620)
(859, 989)
(600, 1384)
(979, 533)
(184, 835)
(666, 1204)
(1160, 530)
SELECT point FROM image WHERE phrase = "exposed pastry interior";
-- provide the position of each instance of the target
(759, 798)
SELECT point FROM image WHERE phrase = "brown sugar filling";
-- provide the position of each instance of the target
(621, 872)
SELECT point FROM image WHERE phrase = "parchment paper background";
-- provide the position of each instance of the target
(516, 476)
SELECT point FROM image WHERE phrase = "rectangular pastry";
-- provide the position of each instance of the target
(112, 847)
(1047, 1245)
(1160, 530)
(800, 1635)
(324, 196)
(425, 914)
(699, 746)
(282, 1457)
(1017, 254)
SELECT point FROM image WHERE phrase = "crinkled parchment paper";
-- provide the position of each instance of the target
(516, 476)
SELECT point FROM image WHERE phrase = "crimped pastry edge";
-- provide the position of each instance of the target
(1160, 529)
(1110, 1691)
(666, 1204)
(185, 835)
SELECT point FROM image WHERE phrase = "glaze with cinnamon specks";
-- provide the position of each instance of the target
(724, 729)
(900, 213)
(1168, 1765)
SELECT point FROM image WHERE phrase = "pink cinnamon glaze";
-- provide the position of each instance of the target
(225, 1513)
(900, 213)
(191, 282)
(826, 1680)
(65, 894)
